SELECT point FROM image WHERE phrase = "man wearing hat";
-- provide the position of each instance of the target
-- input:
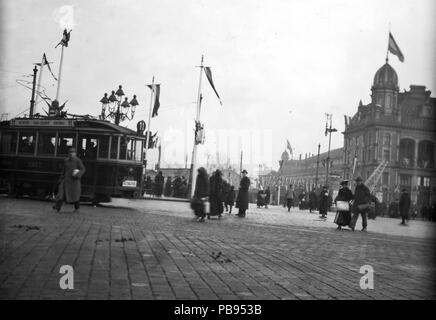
(70, 187)
(361, 205)
(242, 199)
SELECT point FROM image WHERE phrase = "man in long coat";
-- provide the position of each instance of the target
(242, 199)
(159, 181)
(404, 206)
(361, 204)
(70, 187)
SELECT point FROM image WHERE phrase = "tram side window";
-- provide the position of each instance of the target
(9, 142)
(138, 150)
(65, 141)
(87, 147)
(114, 147)
(26, 143)
(46, 143)
(103, 151)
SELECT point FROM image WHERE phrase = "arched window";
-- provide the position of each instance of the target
(426, 154)
(407, 152)
(388, 101)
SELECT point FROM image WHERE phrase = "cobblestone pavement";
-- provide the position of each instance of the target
(156, 250)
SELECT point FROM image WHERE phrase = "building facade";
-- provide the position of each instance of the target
(398, 127)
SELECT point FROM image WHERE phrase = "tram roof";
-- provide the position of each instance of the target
(67, 123)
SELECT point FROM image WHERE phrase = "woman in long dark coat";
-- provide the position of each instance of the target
(168, 187)
(343, 218)
(242, 199)
(70, 187)
(404, 206)
(216, 195)
(323, 202)
(159, 184)
(201, 192)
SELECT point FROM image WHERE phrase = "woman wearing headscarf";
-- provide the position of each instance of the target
(342, 201)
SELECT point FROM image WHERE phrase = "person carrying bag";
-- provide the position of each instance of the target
(342, 201)
(361, 204)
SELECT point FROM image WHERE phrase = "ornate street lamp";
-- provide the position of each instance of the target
(116, 108)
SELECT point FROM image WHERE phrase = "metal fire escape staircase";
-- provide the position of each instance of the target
(374, 178)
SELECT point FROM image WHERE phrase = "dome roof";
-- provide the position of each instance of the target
(285, 156)
(386, 77)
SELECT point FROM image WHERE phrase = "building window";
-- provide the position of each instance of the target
(387, 140)
(426, 154)
(385, 178)
(424, 181)
(407, 152)
(405, 180)
(387, 155)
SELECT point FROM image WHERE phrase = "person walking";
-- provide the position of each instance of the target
(404, 206)
(313, 200)
(267, 197)
(323, 202)
(70, 187)
(168, 186)
(361, 204)
(216, 194)
(201, 192)
(159, 181)
(290, 197)
(342, 201)
(230, 198)
(242, 199)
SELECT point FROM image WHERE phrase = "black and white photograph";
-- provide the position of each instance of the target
(214, 150)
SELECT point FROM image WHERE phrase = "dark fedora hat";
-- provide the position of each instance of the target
(359, 179)
(244, 171)
(344, 182)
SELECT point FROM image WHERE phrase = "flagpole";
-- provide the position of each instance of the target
(197, 120)
(60, 72)
(39, 81)
(148, 132)
(389, 38)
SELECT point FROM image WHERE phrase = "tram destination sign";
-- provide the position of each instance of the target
(42, 122)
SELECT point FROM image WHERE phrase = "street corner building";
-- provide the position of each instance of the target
(399, 128)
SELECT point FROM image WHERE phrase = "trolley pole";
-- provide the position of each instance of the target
(32, 99)
(317, 167)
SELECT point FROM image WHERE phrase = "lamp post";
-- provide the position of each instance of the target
(113, 106)
(329, 130)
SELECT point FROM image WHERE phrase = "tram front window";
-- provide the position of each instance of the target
(127, 149)
(26, 143)
(87, 147)
(9, 142)
(46, 143)
(65, 141)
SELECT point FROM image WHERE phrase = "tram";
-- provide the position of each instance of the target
(32, 152)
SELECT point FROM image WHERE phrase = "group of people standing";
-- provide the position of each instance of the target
(171, 187)
(221, 195)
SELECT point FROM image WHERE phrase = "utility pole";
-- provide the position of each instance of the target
(317, 167)
(328, 130)
(32, 100)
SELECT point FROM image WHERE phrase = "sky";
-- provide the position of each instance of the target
(278, 66)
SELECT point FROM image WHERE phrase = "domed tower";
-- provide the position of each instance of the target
(385, 88)
(285, 156)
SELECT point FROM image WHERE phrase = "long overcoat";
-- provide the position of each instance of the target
(70, 187)
(242, 199)
(404, 205)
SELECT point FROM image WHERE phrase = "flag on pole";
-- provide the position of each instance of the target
(289, 146)
(394, 48)
(156, 99)
(45, 62)
(346, 121)
(208, 73)
(65, 38)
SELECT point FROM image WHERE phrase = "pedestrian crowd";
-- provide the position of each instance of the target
(219, 194)
(176, 187)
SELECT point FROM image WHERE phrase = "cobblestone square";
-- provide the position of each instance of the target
(148, 249)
